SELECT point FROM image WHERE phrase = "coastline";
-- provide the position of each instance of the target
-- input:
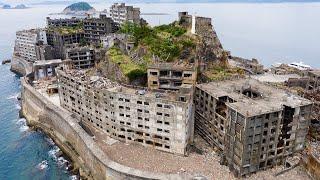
(74, 141)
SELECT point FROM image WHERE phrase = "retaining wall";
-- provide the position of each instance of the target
(64, 129)
(20, 66)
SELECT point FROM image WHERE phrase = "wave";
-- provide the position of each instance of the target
(43, 165)
(74, 177)
(14, 96)
(22, 123)
(18, 106)
(53, 153)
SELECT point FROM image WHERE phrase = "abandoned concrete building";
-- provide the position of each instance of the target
(123, 41)
(162, 119)
(31, 45)
(63, 22)
(254, 125)
(83, 57)
(250, 66)
(314, 79)
(94, 28)
(170, 76)
(45, 68)
(59, 38)
(120, 13)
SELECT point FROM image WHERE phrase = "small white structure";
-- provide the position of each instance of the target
(193, 28)
(300, 66)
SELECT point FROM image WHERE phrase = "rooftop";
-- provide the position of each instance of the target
(100, 83)
(252, 98)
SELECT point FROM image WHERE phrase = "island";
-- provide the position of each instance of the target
(19, 6)
(80, 8)
(125, 100)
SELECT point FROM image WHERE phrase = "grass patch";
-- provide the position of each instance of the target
(127, 66)
(165, 41)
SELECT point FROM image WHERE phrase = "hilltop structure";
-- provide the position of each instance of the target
(120, 13)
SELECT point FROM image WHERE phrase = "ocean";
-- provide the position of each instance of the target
(281, 32)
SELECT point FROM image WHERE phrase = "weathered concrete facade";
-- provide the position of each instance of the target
(63, 22)
(171, 76)
(154, 119)
(83, 57)
(120, 13)
(254, 125)
(30, 44)
(94, 28)
(74, 140)
(58, 39)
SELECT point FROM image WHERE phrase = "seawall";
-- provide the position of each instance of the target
(75, 142)
(20, 66)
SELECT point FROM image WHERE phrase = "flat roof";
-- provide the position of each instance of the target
(101, 83)
(47, 62)
(270, 99)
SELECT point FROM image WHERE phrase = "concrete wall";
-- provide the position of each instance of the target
(20, 66)
(65, 130)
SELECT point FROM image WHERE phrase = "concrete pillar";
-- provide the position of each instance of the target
(36, 73)
(53, 68)
(45, 71)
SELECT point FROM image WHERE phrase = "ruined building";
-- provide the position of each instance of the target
(94, 28)
(31, 45)
(255, 126)
(83, 57)
(171, 76)
(120, 13)
(58, 38)
(63, 22)
(162, 120)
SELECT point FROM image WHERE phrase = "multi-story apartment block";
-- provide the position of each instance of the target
(120, 13)
(94, 28)
(58, 38)
(83, 57)
(161, 120)
(255, 126)
(171, 76)
(63, 22)
(28, 42)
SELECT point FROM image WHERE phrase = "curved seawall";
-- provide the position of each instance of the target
(75, 142)
(20, 66)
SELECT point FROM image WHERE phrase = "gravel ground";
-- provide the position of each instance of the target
(205, 163)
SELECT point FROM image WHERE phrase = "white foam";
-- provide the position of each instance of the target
(50, 141)
(15, 96)
(18, 106)
(22, 123)
(73, 177)
(53, 152)
(62, 161)
(43, 165)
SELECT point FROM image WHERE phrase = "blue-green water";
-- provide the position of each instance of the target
(271, 32)
(24, 154)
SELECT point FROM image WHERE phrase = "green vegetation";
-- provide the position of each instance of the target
(68, 30)
(219, 73)
(80, 6)
(129, 68)
(165, 41)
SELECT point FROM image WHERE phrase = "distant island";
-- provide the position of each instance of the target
(19, 6)
(80, 8)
